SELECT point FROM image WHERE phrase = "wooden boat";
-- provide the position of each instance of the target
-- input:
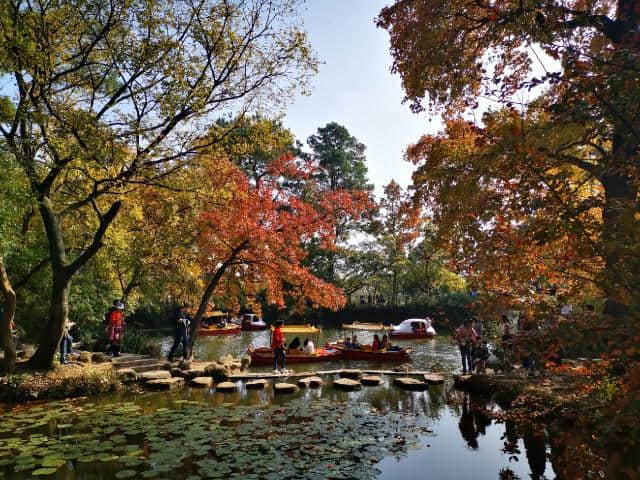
(366, 353)
(264, 355)
(212, 325)
(413, 328)
(215, 330)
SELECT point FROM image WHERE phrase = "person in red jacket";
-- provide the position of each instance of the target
(277, 346)
(115, 329)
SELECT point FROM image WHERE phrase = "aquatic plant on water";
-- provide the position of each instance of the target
(312, 440)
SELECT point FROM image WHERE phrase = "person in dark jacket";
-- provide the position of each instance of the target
(181, 334)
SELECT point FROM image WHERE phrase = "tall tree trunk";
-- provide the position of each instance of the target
(8, 314)
(50, 338)
(206, 296)
(620, 240)
(62, 274)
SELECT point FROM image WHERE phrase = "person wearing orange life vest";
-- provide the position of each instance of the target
(278, 346)
(115, 329)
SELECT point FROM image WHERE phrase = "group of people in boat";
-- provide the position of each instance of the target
(376, 345)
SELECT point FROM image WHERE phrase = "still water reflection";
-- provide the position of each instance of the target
(453, 437)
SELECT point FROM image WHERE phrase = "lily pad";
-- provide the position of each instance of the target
(126, 474)
(44, 471)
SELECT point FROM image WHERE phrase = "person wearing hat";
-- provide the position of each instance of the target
(115, 329)
(66, 341)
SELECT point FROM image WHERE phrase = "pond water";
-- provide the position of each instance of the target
(379, 432)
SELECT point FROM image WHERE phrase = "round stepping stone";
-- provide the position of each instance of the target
(202, 382)
(285, 388)
(155, 374)
(258, 384)
(353, 374)
(166, 383)
(347, 384)
(310, 382)
(226, 387)
(410, 383)
(370, 380)
(434, 378)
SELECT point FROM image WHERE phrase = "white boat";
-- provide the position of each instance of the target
(250, 321)
(413, 328)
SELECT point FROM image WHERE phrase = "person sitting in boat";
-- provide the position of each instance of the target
(354, 342)
(221, 323)
(376, 342)
(385, 343)
(295, 344)
(309, 347)
(347, 342)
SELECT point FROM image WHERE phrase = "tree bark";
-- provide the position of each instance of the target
(42, 359)
(8, 314)
(62, 274)
(619, 243)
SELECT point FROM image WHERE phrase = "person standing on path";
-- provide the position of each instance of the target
(181, 334)
(466, 336)
(277, 346)
(66, 341)
(115, 329)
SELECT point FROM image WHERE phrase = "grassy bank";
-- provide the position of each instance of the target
(72, 380)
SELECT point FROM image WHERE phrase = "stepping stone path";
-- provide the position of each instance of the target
(370, 380)
(202, 382)
(347, 384)
(166, 383)
(226, 387)
(139, 363)
(256, 384)
(155, 375)
(410, 383)
(434, 378)
(285, 388)
(310, 382)
(353, 374)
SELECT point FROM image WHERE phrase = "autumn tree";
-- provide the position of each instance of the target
(582, 58)
(105, 96)
(256, 237)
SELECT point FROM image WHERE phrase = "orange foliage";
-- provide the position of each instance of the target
(259, 232)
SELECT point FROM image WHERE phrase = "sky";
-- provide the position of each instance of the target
(355, 88)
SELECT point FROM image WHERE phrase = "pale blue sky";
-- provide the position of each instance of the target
(355, 87)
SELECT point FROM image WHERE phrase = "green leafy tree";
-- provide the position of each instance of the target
(105, 96)
(397, 229)
(341, 165)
